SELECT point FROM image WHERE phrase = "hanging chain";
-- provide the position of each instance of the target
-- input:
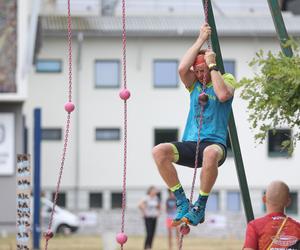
(49, 234)
(125, 117)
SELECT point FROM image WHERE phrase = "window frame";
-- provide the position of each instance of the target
(91, 206)
(176, 130)
(154, 75)
(113, 204)
(97, 86)
(107, 130)
(48, 129)
(61, 202)
(283, 153)
(238, 199)
(59, 70)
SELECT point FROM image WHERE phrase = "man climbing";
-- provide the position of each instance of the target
(211, 95)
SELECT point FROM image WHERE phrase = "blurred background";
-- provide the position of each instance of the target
(34, 75)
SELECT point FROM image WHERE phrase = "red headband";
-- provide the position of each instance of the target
(199, 60)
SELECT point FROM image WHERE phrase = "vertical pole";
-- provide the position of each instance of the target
(231, 126)
(280, 27)
(37, 179)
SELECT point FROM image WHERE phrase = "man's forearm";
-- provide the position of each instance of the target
(223, 91)
(189, 57)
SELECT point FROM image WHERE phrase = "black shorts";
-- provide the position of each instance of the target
(187, 152)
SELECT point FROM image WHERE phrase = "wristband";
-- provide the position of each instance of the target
(213, 67)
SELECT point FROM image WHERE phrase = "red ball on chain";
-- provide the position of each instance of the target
(184, 229)
(124, 94)
(121, 238)
(203, 99)
(48, 235)
(69, 107)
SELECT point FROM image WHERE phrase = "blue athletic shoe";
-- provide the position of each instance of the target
(195, 215)
(182, 208)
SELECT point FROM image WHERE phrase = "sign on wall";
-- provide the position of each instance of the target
(23, 222)
(7, 143)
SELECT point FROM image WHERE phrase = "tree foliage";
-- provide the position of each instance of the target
(273, 94)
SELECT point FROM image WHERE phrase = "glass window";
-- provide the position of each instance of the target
(165, 73)
(61, 199)
(96, 200)
(293, 207)
(233, 201)
(51, 134)
(229, 66)
(165, 135)
(48, 66)
(116, 200)
(108, 134)
(213, 202)
(275, 139)
(107, 73)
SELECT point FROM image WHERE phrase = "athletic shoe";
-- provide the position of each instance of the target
(182, 208)
(195, 215)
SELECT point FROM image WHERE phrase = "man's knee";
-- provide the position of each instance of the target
(213, 153)
(162, 153)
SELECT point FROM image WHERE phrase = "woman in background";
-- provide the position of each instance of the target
(150, 208)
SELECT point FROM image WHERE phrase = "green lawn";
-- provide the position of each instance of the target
(79, 242)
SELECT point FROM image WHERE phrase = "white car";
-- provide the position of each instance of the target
(64, 222)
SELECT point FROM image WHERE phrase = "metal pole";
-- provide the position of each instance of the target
(37, 179)
(231, 126)
(280, 27)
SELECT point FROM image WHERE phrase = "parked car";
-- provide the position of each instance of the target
(64, 222)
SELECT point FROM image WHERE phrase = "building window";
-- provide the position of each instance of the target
(116, 200)
(275, 139)
(51, 134)
(165, 73)
(213, 202)
(107, 134)
(48, 66)
(165, 135)
(96, 200)
(107, 73)
(293, 207)
(233, 201)
(229, 66)
(61, 199)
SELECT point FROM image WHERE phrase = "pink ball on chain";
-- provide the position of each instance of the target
(203, 99)
(48, 235)
(124, 94)
(121, 238)
(184, 229)
(69, 107)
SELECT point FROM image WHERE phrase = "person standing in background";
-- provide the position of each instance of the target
(150, 208)
(171, 213)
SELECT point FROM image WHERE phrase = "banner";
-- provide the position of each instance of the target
(7, 143)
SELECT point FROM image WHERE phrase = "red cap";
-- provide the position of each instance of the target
(199, 60)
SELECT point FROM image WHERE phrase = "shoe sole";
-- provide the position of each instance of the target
(188, 222)
(176, 223)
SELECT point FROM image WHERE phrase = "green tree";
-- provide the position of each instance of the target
(273, 94)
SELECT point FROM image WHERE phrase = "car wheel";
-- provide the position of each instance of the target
(64, 229)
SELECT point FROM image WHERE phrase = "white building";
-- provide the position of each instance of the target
(157, 37)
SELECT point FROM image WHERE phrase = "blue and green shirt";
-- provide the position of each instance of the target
(215, 115)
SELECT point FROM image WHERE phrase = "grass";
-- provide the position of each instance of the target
(79, 242)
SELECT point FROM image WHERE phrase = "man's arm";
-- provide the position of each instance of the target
(186, 75)
(222, 89)
(251, 239)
